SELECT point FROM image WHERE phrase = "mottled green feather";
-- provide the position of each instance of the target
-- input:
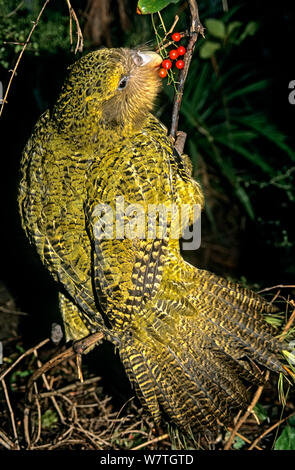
(189, 340)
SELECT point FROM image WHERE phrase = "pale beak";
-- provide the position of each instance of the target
(150, 58)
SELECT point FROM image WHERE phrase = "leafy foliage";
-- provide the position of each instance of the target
(224, 125)
(16, 19)
(152, 6)
(260, 412)
(226, 34)
(286, 440)
(49, 419)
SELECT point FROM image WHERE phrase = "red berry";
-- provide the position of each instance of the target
(176, 37)
(180, 64)
(163, 73)
(173, 54)
(167, 64)
(181, 50)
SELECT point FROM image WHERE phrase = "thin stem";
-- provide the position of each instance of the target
(254, 443)
(11, 413)
(163, 24)
(195, 29)
(245, 416)
(29, 351)
(152, 441)
(79, 44)
(21, 54)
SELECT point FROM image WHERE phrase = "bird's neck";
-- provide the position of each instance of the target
(95, 128)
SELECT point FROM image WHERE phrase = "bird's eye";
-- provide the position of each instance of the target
(122, 83)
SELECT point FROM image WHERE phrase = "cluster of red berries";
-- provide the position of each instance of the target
(173, 54)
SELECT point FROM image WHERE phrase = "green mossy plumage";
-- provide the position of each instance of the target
(189, 340)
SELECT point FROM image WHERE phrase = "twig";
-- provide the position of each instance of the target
(12, 312)
(269, 430)
(81, 345)
(79, 367)
(245, 439)
(15, 42)
(40, 372)
(91, 436)
(195, 29)
(80, 41)
(62, 418)
(119, 412)
(161, 44)
(66, 441)
(39, 428)
(26, 427)
(289, 323)
(26, 353)
(68, 388)
(280, 286)
(15, 10)
(21, 54)
(11, 414)
(79, 44)
(176, 19)
(5, 441)
(275, 297)
(153, 441)
(245, 416)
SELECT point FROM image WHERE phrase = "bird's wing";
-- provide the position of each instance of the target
(128, 265)
(51, 209)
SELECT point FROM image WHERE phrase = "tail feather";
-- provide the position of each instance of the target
(195, 393)
(173, 393)
(193, 353)
(143, 374)
(236, 294)
(235, 320)
(156, 385)
(233, 331)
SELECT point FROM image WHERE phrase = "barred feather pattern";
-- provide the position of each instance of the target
(203, 382)
(192, 343)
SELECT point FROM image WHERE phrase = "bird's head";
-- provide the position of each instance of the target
(116, 87)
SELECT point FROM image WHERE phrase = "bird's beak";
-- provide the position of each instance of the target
(150, 58)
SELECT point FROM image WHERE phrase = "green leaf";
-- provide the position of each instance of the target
(238, 443)
(229, 172)
(232, 26)
(260, 412)
(215, 27)
(250, 30)
(269, 132)
(152, 6)
(49, 418)
(253, 157)
(273, 321)
(253, 87)
(244, 199)
(208, 49)
(286, 441)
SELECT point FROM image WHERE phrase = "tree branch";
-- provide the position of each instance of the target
(21, 54)
(195, 28)
(79, 44)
